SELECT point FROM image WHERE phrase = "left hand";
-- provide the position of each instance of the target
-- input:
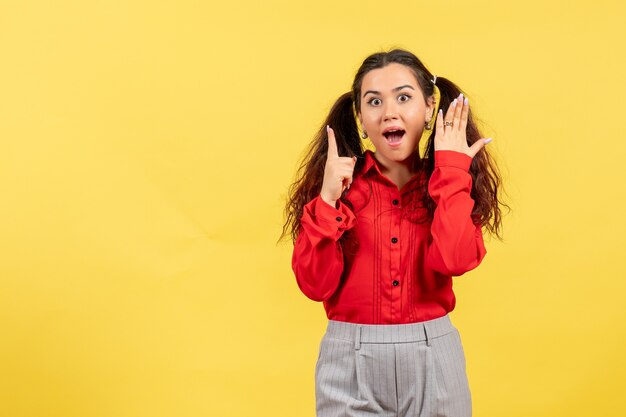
(454, 138)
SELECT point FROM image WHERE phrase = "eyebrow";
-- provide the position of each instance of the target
(395, 89)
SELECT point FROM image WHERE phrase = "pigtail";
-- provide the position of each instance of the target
(486, 180)
(310, 174)
(448, 92)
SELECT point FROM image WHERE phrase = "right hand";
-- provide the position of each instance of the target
(337, 172)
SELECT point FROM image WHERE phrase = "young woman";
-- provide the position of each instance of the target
(379, 235)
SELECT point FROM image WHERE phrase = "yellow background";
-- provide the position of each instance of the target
(146, 149)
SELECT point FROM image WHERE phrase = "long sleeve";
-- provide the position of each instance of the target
(317, 260)
(457, 242)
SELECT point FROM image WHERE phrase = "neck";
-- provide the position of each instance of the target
(400, 172)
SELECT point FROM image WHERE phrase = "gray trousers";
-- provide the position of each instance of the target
(398, 370)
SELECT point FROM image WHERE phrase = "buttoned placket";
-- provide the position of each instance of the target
(395, 281)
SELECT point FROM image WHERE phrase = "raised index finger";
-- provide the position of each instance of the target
(332, 143)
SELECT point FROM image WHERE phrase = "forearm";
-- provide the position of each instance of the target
(457, 243)
(317, 259)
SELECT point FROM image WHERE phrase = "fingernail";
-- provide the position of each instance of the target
(488, 140)
(327, 127)
(466, 100)
(454, 102)
(440, 112)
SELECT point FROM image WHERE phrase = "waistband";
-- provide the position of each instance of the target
(389, 333)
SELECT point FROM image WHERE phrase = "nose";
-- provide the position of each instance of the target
(390, 112)
(390, 116)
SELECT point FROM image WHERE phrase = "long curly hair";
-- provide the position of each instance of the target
(486, 180)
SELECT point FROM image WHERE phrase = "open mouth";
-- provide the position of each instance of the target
(394, 137)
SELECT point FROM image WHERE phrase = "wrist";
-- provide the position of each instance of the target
(332, 203)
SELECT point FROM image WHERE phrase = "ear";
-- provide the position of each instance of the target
(430, 107)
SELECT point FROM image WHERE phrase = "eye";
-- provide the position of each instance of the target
(405, 95)
(371, 101)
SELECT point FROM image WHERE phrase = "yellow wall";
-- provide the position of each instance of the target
(145, 152)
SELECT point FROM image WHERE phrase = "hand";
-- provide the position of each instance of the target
(337, 172)
(454, 138)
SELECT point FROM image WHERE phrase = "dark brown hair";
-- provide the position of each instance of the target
(486, 180)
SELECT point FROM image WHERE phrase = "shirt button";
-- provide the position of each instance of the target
(338, 218)
(395, 202)
(394, 240)
(396, 283)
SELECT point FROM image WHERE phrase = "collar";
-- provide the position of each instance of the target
(372, 164)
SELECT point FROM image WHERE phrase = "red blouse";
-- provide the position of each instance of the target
(393, 266)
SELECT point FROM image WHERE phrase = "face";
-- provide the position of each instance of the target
(391, 99)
